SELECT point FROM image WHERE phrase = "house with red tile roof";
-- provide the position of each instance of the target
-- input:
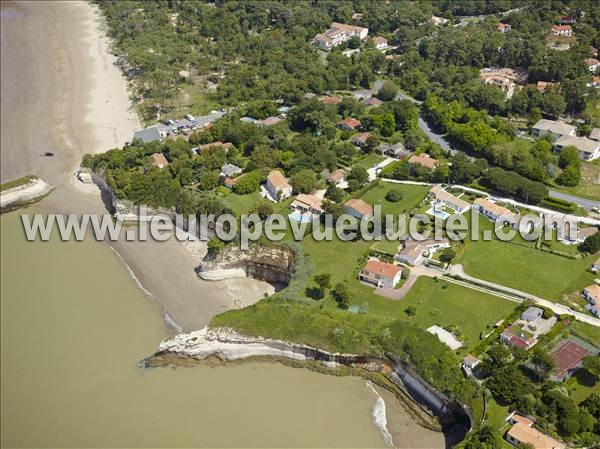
(424, 160)
(348, 124)
(562, 30)
(159, 160)
(358, 208)
(380, 274)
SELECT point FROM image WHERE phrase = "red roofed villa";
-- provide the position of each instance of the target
(423, 160)
(380, 274)
(348, 124)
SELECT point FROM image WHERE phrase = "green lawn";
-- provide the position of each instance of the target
(411, 197)
(520, 265)
(369, 160)
(496, 414)
(533, 271)
(446, 304)
(241, 204)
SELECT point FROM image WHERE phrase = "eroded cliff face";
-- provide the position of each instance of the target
(268, 263)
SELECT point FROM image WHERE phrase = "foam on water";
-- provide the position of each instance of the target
(379, 416)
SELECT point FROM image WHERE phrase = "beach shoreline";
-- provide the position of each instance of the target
(91, 113)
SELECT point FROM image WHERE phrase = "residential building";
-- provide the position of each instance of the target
(412, 250)
(471, 361)
(562, 30)
(360, 139)
(423, 160)
(380, 274)
(595, 134)
(493, 211)
(381, 43)
(311, 204)
(506, 85)
(504, 27)
(567, 359)
(593, 51)
(229, 182)
(596, 266)
(504, 78)
(592, 64)
(277, 186)
(331, 100)
(522, 433)
(592, 294)
(516, 335)
(438, 21)
(555, 128)
(357, 16)
(588, 149)
(230, 170)
(269, 121)
(358, 208)
(441, 197)
(150, 134)
(159, 160)
(372, 101)
(532, 314)
(396, 150)
(337, 34)
(348, 124)
(566, 20)
(337, 177)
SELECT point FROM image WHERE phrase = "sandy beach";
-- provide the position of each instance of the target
(77, 102)
(74, 76)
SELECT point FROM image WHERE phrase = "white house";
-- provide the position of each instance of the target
(522, 432)
(588, 149)
(380, 42)
(337, 34)
(592, 294)
(554, 128)
(440, 197)
(380, 274)
(493, 211)
(592, 64)
(278, 186)
(412, 250)
(358, 208)
(562, 30)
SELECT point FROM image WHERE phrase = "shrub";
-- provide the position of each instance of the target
(393, 196)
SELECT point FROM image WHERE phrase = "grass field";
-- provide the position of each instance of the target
(520, 265)
(533, 271)
(369, 160)
(241, 204)
(411, 197)
(446, 304)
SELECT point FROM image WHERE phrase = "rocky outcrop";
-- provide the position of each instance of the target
(274, 264)
(28, 193)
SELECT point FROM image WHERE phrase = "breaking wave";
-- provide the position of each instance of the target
(379, 416)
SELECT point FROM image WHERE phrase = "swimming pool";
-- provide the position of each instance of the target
(301, 218)
(438, 213)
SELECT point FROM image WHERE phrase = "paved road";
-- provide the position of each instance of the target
(583, 202)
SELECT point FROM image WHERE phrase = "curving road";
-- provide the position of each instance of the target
(582, 202)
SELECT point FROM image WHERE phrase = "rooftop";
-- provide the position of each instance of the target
(424, 160)
(276, 178)
(159, 160)
(384, 269)
(583, 144)
(309, 202)
(359, 206)
(525, 433)
(554, 126)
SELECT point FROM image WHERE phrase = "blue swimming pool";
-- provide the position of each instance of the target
(438, 213)
(300, 218)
